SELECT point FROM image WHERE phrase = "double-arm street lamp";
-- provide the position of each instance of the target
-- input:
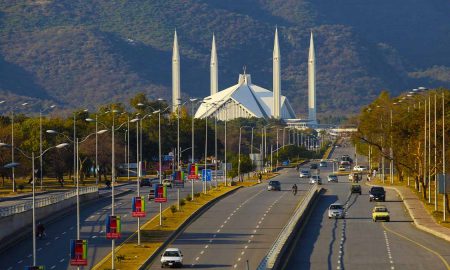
(12, 142)
(32, 157)
(239, 151)
(40, 140)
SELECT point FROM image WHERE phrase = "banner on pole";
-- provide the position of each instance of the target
(178, 179)
(113, 227)
(78, 252)
(138, 206)
(206, 175)
(160, 193)
(193, 171)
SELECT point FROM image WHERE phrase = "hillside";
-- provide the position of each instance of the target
(85, 53)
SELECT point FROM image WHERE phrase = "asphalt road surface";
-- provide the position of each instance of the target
(241, 227)
(53, 250)
(357, 242)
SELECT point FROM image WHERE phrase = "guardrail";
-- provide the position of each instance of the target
(51, 199)
(269, 260)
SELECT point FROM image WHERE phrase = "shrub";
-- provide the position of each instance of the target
(173, 208)
(233, 183)
(196, 195)
(189, 197)
(21, 187)
(182, 202)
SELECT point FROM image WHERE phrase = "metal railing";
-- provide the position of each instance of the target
(269, 260)
(51, 199)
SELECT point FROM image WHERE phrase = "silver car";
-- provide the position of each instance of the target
(304, 174)
(336, 210)
(315, 179)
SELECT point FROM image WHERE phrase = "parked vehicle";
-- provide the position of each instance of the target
(172, 257)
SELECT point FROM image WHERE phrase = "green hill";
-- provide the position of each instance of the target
(85, 53)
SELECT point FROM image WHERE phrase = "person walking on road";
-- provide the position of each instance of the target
(259, 177)
(294, 189)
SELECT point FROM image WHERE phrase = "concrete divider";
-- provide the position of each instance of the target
(15, 227)
(278, 254)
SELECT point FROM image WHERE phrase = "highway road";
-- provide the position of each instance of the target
(53, 251)
(240, 227)
(357, 242)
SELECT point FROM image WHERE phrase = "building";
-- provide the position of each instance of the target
(244, 99)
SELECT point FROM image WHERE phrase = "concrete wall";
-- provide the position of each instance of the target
(14, 227)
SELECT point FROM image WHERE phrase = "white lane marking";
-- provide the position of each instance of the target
(206, 246)
(125, 215)
(221, 226)
(225, 222)
(94, 236)
(53, 267)
(388, 249)
(61, 260)
(64, 233)
(197, 258)
(101, 231)
(257, 227)
(246, 247)
(29, 255)
(92, 217)
(19, 262)
(57, 237)
(201, 252)
(235, 266)
(239, 259)
(243, 252)
(71, 228)
(218, 230)
(249, 241)
(10, 268)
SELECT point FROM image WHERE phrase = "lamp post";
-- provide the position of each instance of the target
(192, 100)
(32, 158)
(239, 152)
(443, 156)
(40, 140)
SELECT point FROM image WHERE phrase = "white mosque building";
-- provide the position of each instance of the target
(246, 99)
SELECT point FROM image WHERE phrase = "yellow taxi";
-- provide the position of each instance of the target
(380, 212)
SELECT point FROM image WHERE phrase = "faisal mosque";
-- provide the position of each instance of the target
(246, 99)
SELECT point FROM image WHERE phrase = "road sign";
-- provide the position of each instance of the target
(138, 205)
(206, 175)
(78, 252)
(441, 183)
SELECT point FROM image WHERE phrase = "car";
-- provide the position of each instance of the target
(304, 174)
(333, 178)
(380, 212)
(377, 194)
(167, 183)
(313, 166)
(323, 164)
(315, 179)
(360, 168)
(342, 168)
(345, 163)
(355, 189)
(151, 194)
(145, 182)
(274, 185)
(355, 177)
(172, 257)
(336, 210)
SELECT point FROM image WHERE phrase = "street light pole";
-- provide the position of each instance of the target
(192, 154)
(160, 167)
(34, 212)
(12, 151)
(206, 153)
(443, 156)
(97, 170)
(113, 242)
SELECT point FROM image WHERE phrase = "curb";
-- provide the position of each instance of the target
(183, 226)
(419, 226)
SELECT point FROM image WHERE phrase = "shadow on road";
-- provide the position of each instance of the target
(306, 242)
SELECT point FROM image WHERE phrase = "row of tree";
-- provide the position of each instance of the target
(59, 162)
(408, 130)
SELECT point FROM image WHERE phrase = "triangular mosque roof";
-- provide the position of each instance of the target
(257, 101)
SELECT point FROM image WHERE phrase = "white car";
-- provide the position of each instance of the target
(336, 210)
(315, 179)
(304, 174)
(172, 257)
(360, 168)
